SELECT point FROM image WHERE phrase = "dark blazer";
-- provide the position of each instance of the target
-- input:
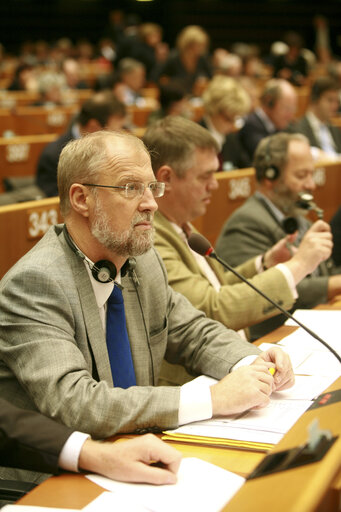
(46, 176)
(253, 131)
(30, 440)
(303, 126)
(232, 153)
(174, 69)
(335, 224)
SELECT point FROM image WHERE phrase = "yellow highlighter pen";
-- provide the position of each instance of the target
(272, 370)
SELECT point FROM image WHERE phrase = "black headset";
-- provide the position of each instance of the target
(271, 172)
(104, 271)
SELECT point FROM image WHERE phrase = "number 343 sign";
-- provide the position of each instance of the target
(40, 220)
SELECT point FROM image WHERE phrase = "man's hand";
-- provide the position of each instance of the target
(245, 388)
(284, 375)
(315, 247)
(143, 459)
(281, 252)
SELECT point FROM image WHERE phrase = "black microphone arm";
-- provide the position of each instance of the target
(201, 245)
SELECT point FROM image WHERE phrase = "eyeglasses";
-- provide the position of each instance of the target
(135, 188)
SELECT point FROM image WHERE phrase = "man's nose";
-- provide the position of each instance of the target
(310, 183)
(213, 183)
(148, 201)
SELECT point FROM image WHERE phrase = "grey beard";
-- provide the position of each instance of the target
(129, 243)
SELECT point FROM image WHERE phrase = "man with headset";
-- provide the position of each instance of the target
(57, 312)
(284, 169)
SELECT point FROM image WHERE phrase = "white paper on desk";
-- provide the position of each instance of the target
(201, 486)
(306, 387)
(29, 508)
(325, 323)
(114, 501)
(279, 416)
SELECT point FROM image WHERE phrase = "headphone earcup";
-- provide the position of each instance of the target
(271, 173)
(104, 271)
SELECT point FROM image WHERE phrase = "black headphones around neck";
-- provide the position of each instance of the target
(104, 271)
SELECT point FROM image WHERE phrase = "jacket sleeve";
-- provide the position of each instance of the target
(236, 304)
(29, 440)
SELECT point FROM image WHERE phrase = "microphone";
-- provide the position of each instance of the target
(306, 201)
(201, 245)
(290, 225)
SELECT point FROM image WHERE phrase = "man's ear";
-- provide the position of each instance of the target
(165, 174)
(79, 199)
(92, 126)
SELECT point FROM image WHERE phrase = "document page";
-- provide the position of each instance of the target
(201, 486)
(325, 323)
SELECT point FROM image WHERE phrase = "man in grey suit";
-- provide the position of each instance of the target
(284, 168)
(316, 124)
(54, 354)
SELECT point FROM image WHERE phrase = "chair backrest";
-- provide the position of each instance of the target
(19, 155)
(36, 120)
(22, 225)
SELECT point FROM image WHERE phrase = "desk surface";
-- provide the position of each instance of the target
(314, 487)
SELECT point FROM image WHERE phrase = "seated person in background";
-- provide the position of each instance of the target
(225, 102)
(335, 225)
(324, 138)
(32, 441)
(284, 168)
(130, 80)
(277, 109)
(292, 65)
(72, 72)
(50, 87)
(184, 157)
(189, 63)
(102, 110)
(61, 296)
(146, 47)
(24, 79)
(173, 101)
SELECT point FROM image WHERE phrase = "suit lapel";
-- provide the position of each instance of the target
(94, 330)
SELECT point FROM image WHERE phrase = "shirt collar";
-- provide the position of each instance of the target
(271, 128)
(219, 137)
(276, 212)
(76, 133)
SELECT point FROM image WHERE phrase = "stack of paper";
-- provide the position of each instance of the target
(315, 369)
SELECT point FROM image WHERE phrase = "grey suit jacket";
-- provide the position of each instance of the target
(53, 348)
(251, 230)
(303, 126)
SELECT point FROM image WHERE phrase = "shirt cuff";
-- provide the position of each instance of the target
(195, 400)
(258, 264)
(246, 361)
(68, 457)
(289, 277)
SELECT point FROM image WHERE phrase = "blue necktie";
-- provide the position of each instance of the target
(118, 345)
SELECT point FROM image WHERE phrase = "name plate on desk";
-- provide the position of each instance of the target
(39, 220)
